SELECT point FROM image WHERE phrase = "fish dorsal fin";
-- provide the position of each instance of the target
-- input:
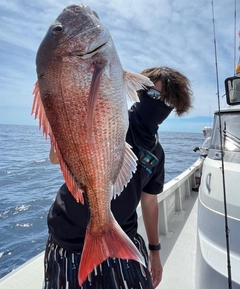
(134, 82)
(39, 112)
(128, 168)
(70, 182)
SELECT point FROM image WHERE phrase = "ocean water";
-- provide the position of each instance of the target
(29, 182)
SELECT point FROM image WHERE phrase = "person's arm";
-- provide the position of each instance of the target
(53, 156)
(149, 206)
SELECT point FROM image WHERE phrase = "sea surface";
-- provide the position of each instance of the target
(29, 182)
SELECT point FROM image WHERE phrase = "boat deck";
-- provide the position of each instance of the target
(177, 255)
(27, 276)
(179, 248)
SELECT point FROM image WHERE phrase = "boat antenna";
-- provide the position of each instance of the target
(234, 37)
(222, 169)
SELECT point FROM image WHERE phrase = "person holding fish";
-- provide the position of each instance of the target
(171, 90)
(111, 158)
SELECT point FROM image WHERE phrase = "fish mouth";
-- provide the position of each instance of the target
(89, 53)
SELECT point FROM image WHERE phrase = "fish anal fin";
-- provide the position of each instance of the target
(129, 167)
(134, 82)
(110, 242)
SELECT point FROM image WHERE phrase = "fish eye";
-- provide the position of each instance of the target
(57, 29)
(95, 13)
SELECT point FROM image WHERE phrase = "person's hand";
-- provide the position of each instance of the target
(196, 149)
(155, 267)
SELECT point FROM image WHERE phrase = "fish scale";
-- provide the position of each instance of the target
(80, 99)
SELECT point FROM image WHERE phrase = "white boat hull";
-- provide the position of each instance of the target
(220, 189)
(211, 261)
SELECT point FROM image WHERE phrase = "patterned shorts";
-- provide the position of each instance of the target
(61, 270)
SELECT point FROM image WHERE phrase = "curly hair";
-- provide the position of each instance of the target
(176, 87)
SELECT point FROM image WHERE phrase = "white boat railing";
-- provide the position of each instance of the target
(171, 199)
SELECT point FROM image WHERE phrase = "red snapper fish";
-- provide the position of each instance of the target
(80, 99)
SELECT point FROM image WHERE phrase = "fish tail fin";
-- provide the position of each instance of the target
(111, 242)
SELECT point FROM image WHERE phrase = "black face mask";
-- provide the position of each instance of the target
(151, 111)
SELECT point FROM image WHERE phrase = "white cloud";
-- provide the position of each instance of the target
(175, 33)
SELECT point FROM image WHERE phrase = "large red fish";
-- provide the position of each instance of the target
(80, 100)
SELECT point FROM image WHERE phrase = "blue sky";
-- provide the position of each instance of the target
(146, 33)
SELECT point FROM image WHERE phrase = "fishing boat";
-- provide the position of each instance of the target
(218, 231)
(199, 232)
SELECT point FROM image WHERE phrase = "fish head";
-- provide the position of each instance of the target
(76, 32)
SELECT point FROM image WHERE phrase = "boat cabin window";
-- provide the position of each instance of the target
(230, 123)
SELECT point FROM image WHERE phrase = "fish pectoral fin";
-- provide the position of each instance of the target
(98, 69)
(134, 82)
(107, 70)
(109, 241)
(39, 112)
(129, 167)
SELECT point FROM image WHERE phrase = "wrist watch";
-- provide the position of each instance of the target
(154, 247)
